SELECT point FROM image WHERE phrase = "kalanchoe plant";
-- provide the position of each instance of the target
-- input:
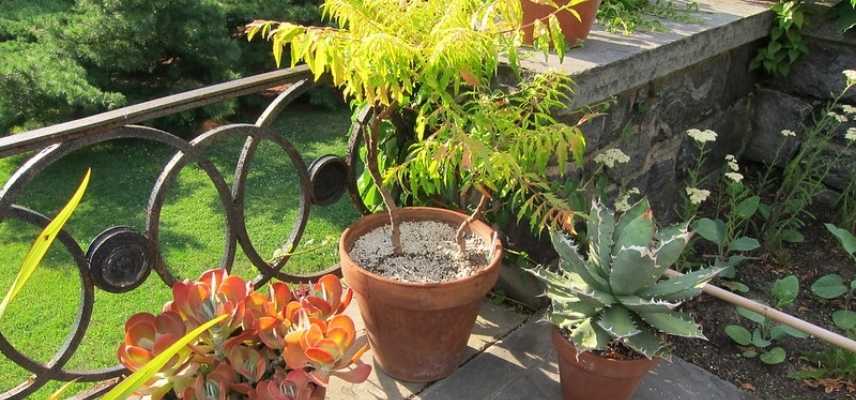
(616, 292)
(279, 345)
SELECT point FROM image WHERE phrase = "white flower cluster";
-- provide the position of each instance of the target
(734, 174)
(851, 77)
(610, 157)
(622, 204)
(788, 133)
(702, 136)
(848, 109)
(697, 196)
(838, 117)
(850, 135)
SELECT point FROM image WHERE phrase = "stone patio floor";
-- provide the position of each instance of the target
(510, 357)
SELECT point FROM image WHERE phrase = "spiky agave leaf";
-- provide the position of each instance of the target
(669, 251)
(673, 323)
(632, 269)
(634, 212)
(637, 233)
(645, 342)
(568, 314)
(683, 287)
(587, 336)
(601, 228)
(571, 286)
(638, 304)
(618, 322)
(571, 261)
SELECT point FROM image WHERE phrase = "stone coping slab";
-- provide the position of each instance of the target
(608, 63)
(510, 357)
(523, 366)
(493, 323)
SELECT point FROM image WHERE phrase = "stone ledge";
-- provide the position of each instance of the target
(611, 63)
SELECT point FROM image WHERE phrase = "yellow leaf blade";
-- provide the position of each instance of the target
(43, 243)
(144, 374)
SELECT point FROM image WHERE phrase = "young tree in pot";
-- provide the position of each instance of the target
(431, 59)
(611, 311)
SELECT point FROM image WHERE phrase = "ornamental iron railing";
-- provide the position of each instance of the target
(121, 258)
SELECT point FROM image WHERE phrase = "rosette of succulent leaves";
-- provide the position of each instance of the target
(617, 291)
(414, 56)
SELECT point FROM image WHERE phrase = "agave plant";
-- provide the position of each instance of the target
(277, 345)
(617, 291)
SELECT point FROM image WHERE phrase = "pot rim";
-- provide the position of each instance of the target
(403, 213)
(557, 333)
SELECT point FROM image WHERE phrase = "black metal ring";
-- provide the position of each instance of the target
(119, 259)
(328, 175)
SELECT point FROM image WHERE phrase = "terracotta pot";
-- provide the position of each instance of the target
(590, 376)
(575, 30)
(418, 331)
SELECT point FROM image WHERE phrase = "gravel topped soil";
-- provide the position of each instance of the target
(429, 253)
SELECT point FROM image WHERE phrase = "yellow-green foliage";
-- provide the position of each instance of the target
(436, 59)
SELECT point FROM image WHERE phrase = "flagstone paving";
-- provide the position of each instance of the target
(510, 357)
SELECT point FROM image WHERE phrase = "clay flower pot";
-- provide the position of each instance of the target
(575, 30)
(589, 376)
(418, 331)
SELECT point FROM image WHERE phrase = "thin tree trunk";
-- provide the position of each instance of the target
(371, 137)
(459, 235)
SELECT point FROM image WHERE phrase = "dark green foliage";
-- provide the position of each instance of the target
(60, 59)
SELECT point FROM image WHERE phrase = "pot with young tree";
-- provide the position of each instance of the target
(611, 309)
(419, 273)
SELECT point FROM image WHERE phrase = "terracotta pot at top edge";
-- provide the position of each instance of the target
(590, 376)
(575, 30)
(418, 332)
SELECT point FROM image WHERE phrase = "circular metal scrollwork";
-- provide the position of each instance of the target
(119, 259)
(328, 175)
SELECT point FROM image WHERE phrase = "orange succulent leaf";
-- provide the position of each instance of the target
(357, 373)
(247, 362)
(146, 336)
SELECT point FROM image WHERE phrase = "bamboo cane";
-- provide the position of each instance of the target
(776, 315)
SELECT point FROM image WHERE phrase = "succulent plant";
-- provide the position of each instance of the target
(616, 292)
(278, 345)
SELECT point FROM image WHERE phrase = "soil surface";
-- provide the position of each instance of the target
(429, 253)
(819, 255)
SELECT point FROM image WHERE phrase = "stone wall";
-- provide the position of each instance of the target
(795, 101)
(649, 123)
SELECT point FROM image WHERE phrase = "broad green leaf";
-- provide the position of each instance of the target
(711, 230)
(747, 208)
(744, 244)
(829, 286)
(847, 240)
(739, 334)
(618, 322)
(785, 290)
(776, 355)
(792, 236)
(673, 323)
(751, 315)
(735, 286)
(749, 354)
(844, 319)
(758, 339)
(130, 384)
(43, 243)
(779, 331)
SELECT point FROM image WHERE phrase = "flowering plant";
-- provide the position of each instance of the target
(280, 345)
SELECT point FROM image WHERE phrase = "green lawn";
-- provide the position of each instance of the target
(192, 226)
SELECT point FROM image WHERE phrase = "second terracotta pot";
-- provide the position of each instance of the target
(575, 30)
(588, 376)
(418, 332)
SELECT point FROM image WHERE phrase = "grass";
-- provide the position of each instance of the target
(192, 226)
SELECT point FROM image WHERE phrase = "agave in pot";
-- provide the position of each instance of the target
(616, 296)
